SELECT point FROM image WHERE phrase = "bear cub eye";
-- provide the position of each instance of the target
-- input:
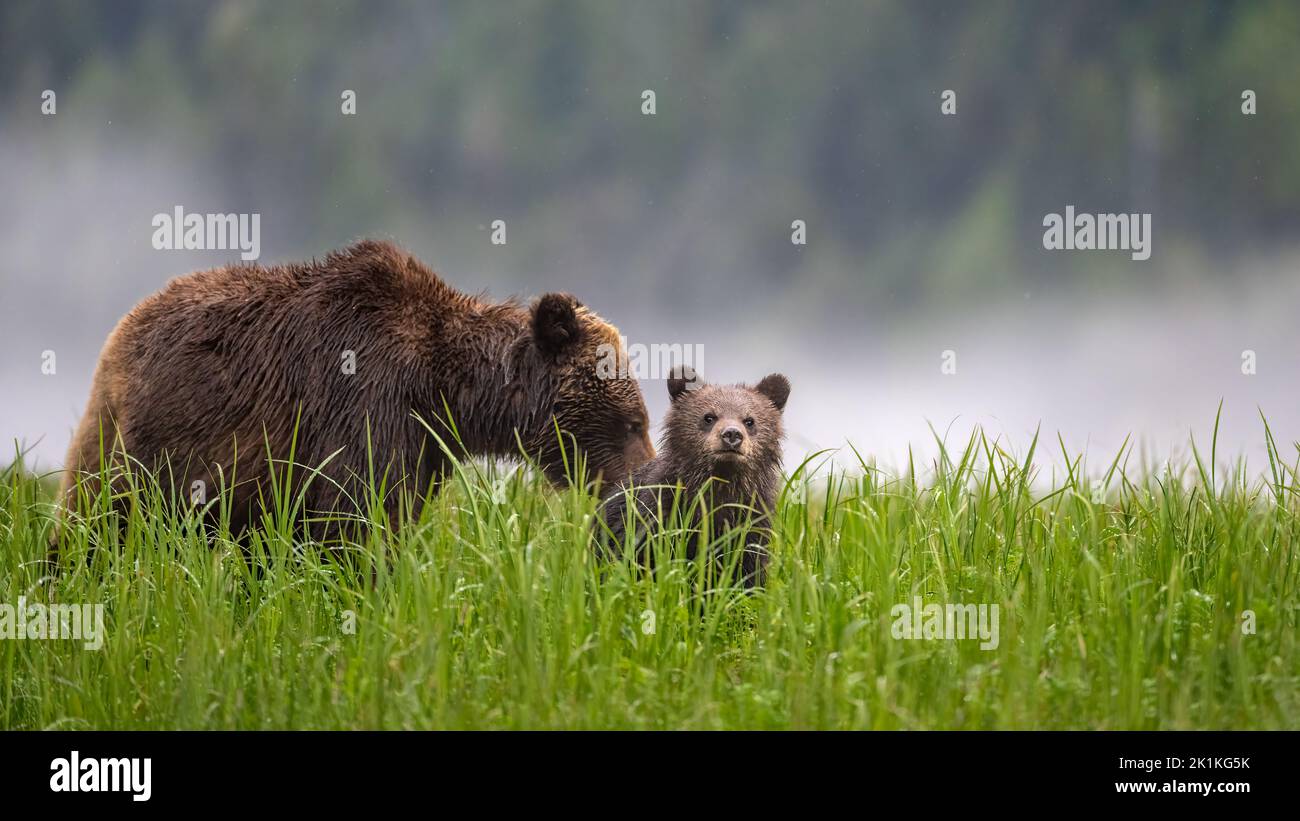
(749, 423)
(709, 419)
(634, 428)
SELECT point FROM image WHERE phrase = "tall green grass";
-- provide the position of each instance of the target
(1121, 607)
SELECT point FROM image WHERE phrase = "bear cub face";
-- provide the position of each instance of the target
(725, 431)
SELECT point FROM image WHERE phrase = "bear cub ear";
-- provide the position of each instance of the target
(682, 379)
(555, 322)
(775, 387)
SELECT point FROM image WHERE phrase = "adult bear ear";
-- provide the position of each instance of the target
(682, 379)
(555, 323)
(775, 387)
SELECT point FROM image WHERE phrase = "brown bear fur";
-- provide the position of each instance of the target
(228, 362)
(720, 453)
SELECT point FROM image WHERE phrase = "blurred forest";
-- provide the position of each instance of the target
(767, 112)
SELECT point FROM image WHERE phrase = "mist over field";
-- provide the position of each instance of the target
(924, 230)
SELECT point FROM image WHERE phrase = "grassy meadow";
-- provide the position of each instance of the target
(1121, 601)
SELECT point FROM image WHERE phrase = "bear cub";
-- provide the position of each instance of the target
(721, 441)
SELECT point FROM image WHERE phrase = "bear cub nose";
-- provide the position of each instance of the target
(732, 437)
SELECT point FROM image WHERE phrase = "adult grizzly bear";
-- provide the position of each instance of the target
(334, 358)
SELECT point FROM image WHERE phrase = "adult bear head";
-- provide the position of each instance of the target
(596, 410)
